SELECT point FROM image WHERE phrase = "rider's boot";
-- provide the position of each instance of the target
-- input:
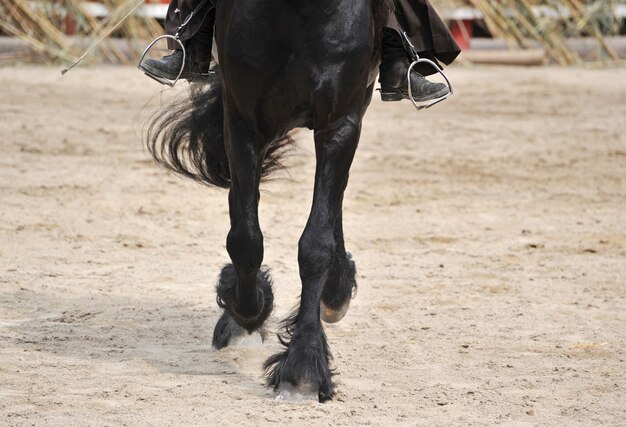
(197, 56)
(393, 74)
(169, 66)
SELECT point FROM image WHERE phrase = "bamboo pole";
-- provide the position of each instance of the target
(109, 51)
(579, 13)
(34, 29)
(520, 23)
(559, 50)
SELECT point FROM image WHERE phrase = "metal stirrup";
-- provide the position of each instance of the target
(160, 79)
(176, 38)
(417, 60)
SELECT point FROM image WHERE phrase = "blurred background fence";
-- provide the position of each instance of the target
(490, 31)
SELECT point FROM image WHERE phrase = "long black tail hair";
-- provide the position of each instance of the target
(187, 137)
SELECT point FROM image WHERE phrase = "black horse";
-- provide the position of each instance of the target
(283, 64)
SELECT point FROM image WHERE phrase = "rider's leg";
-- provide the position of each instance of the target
(200, 45)
(394, 67)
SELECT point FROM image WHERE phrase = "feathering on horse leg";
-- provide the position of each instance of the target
(227, 328)
(306, 361)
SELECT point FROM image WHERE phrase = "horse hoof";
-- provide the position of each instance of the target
(332, 315)
(225, 331)
(225, 289)
(290, 393)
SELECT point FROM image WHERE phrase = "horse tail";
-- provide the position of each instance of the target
(188, 138)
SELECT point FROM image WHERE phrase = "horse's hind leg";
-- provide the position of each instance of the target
(244, 290)
(341, 283)
(305, 362)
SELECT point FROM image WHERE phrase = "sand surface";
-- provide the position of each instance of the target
(489, 235)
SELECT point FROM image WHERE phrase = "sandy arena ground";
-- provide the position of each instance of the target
(489, 235)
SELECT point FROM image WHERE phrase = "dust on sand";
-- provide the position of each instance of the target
(489, 235)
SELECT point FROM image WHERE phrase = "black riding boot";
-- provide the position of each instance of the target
(197, 56)
(394, 67)
(169, 66)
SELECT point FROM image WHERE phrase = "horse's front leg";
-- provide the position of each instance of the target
(305, 362)
(244, 290)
